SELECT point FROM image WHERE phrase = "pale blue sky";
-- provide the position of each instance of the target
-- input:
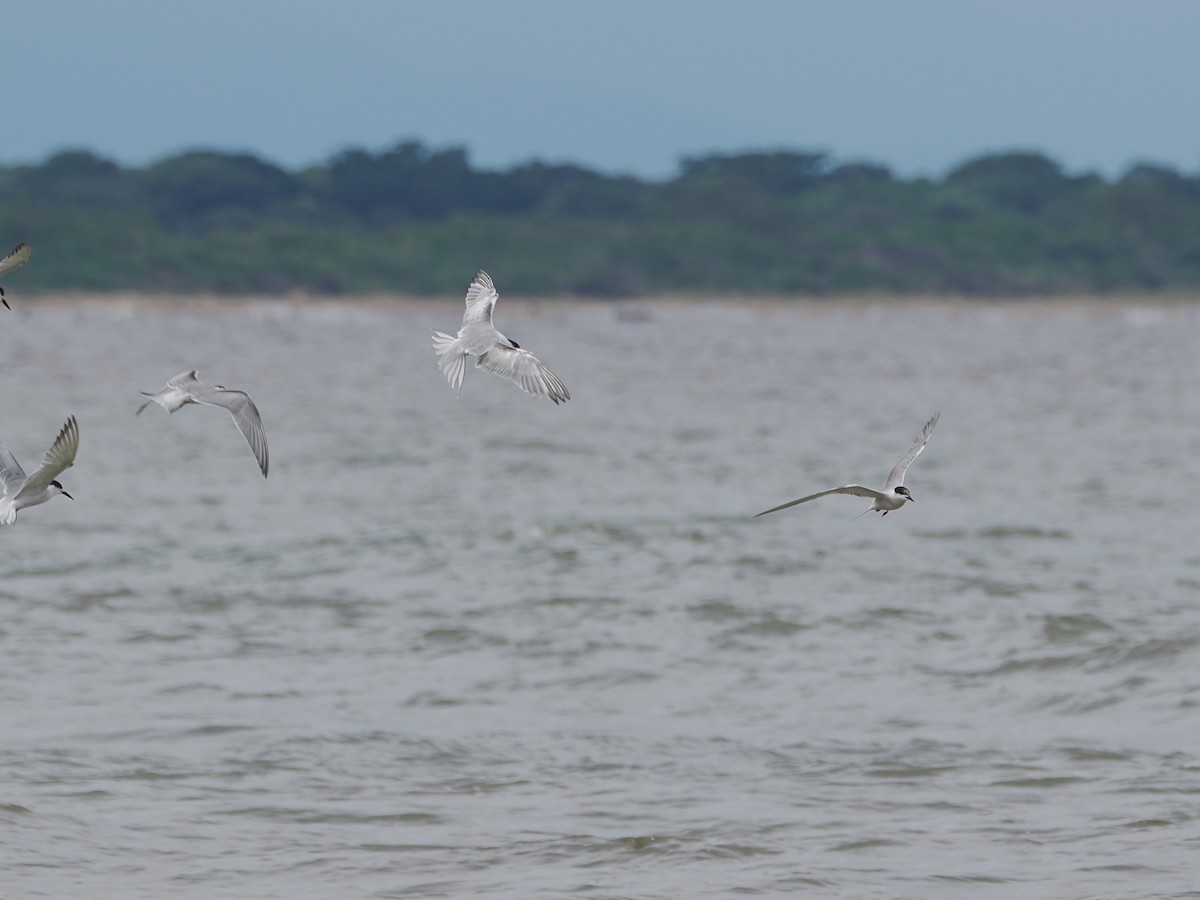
(617, 85)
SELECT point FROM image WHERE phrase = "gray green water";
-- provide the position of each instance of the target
(487, 647)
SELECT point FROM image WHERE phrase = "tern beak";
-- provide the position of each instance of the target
(68, 496)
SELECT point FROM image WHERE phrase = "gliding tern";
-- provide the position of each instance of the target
(894, 494)
(186, 388)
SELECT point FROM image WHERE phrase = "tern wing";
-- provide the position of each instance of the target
(896, 478)
(245, 417)
(16, 259)
(525, 370)
(184, 381)
(59, 458)
(481, 300)
(855, 490)
(12, 476)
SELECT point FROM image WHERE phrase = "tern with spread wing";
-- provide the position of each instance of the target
(493, 351)
(894, 494)
(14, 260)
(186, 388)
(21, 490)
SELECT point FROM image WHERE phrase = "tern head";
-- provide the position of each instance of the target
(56, 488)
(903, 492)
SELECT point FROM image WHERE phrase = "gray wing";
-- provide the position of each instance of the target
(245, 417)
(59, 458)
(896, 478)
(16, 259)
(12, 476)
(525, 370)
(186, 380)
(481, 300)
(855, 490)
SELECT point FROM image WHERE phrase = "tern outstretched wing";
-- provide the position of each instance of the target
(525, 370)
(244, 412)
(185, 381)
(896, 478)
(855, 490)
(16, 259)
(481, 299)
(59, 458)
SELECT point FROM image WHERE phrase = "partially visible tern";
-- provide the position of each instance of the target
(186, 388)
(14, 260)
(494, 352)
(894, 494)
(21, 490)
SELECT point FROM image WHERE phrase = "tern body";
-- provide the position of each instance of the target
(187, 388)
(14, 260)
(493, 352)
(894, 494)
(21, 490)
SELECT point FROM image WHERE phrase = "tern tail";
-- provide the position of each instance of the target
(451, 358)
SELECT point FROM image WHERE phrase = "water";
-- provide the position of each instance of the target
(489, 647)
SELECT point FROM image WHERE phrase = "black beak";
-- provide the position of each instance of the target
(912, 498)
(68, 496)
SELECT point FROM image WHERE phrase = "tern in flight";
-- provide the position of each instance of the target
(894, 494)
(21, 490)
(186, 388)
(14, 260)
(494, 352)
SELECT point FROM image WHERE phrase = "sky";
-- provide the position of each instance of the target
(620, 86)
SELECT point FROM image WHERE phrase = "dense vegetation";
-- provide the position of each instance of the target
(414, 219)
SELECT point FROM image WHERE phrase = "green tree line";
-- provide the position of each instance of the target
(421, 220)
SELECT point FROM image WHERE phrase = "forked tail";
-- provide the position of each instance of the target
(870, 508)
(174, 405)
(451, 358)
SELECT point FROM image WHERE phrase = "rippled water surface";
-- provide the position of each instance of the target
(487, 647)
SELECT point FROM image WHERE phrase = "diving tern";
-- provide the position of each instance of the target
(14, 260)
(495, 353)
(21, 490)
(894, 494)
(186, 388)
